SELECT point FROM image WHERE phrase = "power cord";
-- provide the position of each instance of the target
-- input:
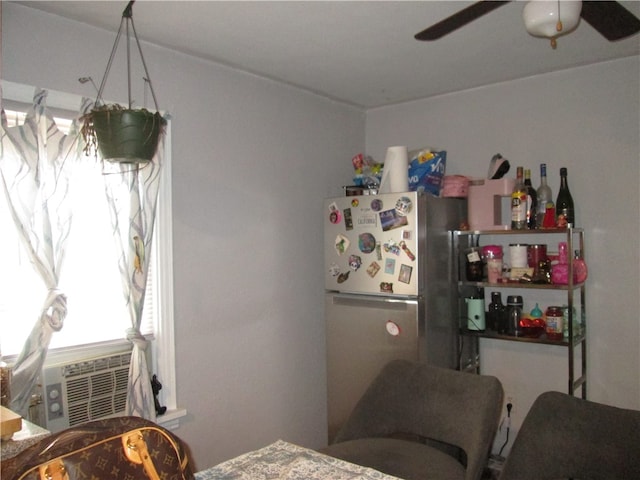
(508, 422)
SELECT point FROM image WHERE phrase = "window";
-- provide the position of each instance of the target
(97, 316)
(89, 276)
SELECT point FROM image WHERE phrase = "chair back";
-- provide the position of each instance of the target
(415, 399)
(567, 437)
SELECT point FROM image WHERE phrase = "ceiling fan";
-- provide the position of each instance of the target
(548, 19)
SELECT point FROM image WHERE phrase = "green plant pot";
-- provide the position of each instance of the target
(127, 136)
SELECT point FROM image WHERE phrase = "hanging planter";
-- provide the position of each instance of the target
(124, 134)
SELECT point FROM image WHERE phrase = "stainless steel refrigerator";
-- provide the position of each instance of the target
(388, 288)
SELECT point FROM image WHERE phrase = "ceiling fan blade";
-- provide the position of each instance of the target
(612, 20)
(459, 19)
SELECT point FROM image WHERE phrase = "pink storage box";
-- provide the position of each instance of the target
(484, 203)
(456, 186)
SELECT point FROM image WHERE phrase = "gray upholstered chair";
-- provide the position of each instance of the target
(567, 437)
(417, 421)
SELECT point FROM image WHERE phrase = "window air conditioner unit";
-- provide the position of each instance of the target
(82, 390)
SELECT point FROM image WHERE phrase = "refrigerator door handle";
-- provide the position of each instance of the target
(349, 299)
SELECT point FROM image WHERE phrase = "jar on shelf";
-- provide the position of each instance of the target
(493, 258)
(538, 260)
(474, 265)
(554, 317)
(576, 323)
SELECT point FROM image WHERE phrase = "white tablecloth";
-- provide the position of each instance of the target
(285, 461)
(30, 434)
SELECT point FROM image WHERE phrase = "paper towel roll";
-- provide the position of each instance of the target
(395, 174)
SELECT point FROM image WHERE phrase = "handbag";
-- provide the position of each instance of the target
(113, 448)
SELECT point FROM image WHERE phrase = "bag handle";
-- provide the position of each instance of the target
(135, 449)
(53, 470)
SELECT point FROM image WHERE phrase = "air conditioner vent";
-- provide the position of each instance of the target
(89, 389)
(96, 365)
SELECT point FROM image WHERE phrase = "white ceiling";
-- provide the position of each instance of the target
(360, 52)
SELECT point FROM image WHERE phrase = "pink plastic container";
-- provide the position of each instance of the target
(493, 256)
(560, 271)
(492, 251)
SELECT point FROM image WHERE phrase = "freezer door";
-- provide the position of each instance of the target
(363, 334)
(373, 242)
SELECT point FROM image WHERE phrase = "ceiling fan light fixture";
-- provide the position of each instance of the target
(551, 18)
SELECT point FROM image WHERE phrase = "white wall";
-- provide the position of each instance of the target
(252, 161)
(585, 119)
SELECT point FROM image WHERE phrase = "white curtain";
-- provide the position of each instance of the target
(36, 162)
(132, 193)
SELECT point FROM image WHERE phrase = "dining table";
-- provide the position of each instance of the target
(282, 460)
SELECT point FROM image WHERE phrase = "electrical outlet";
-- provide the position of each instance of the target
(510, 401)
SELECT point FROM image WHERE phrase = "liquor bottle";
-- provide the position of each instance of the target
(532, 202)
(544, 196)
(564, 203)
(519, 203)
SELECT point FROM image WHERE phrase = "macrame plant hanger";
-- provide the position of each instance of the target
(127, 23)
(124, 135)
